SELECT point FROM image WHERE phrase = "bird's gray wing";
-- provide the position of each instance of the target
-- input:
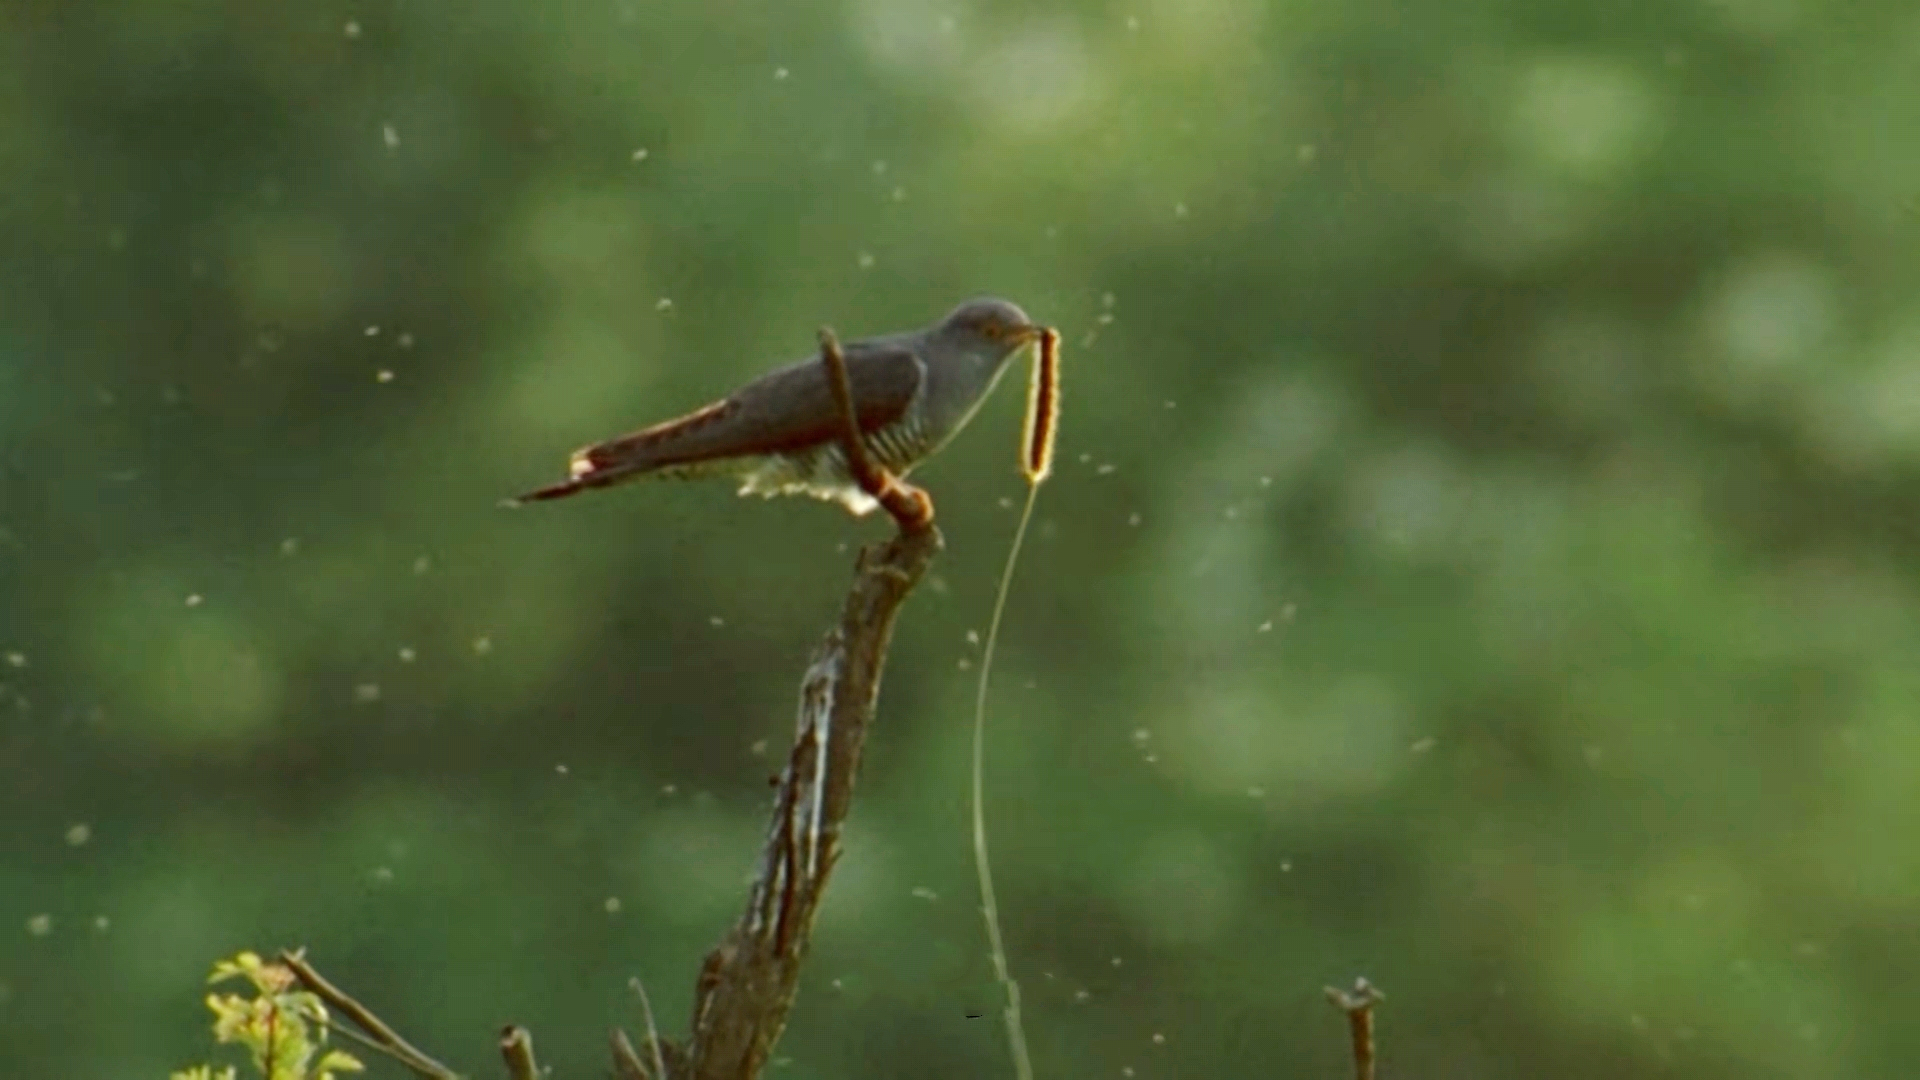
(784, 410)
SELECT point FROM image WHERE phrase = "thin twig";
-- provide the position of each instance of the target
(653, 1030)
(626, 1062)
(1358, 1004)
(387, 1038)
(516, 1049)
(623, 1048)
(273, 1033)
(362, 1040)
(911, 507)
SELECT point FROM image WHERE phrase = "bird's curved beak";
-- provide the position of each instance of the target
(1028, 334)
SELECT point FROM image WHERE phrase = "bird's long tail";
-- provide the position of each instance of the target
(597, 466)
(552, 491)
(649, 450)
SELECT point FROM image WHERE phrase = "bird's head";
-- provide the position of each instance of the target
(989, 328)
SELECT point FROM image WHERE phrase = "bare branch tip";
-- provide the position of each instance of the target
(626, 1060)
(378, 1032)
(516, 1049)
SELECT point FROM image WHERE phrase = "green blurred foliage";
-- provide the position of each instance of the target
(1481, 557)
(284, 1030)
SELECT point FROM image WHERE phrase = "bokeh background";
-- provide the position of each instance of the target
(1482, 556)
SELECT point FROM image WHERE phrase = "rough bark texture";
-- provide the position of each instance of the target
(748, 982)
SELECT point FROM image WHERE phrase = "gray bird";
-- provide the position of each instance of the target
(780, 433)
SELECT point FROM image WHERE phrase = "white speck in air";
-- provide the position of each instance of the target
(1308, 151)
(1286, 613)
(1081, 995)
(422, 563)
(1256, 792)
(866, 260)
(759, 748)
(899, 194)
(922, 892)
(366, 692)
(1006, 503)
(407, 655)
(194, 599)
(352, 29)
(780, 73)
(1286, 866)
(973, 637)
(964, 664)
(1180, 210)
(1141, 735)
(1116, 961)
(665, 303)
(482, 645)
(372, 331)
(1133, 23)
(389, 136)
(102, 924)
(290, 546)
(40, 925)
(1133, 519)
(384, 375)
(716, 621)
(1084, 458)
(78, 834)
(1266, 627)
(1266, 481)
(1159, 1039)
(879, 168)
(1421, 746)
(612, 905)
(947, 24)
(669, 789)
(1106, 468)
(1171, 404)
(640, 154)
(561, 769)
(382, 874)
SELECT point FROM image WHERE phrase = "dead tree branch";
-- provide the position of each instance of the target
(747, 984)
